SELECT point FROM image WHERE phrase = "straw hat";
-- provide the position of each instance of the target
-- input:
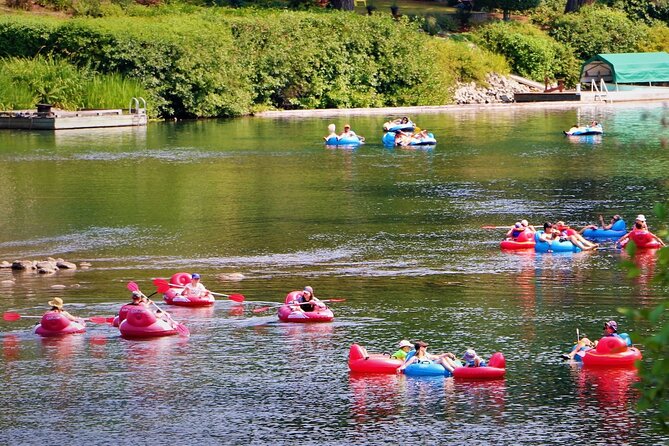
(405, 343)
(56, 302)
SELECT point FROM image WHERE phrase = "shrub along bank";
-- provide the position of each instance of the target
(221, 62)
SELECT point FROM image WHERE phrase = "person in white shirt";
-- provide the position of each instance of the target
(195, 288)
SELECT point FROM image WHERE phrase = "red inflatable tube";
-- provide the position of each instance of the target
(180, 279)
(495, 369)
(644, 240)
(513, 245)
(359, 361)
(141, 323)
(611, 351)
(525, 240)
(288, 314)
(55, 324)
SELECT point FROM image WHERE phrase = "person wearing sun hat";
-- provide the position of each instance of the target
(195, 288)
(471, 359)
(57, 307)
(404, 348)
(347, 133)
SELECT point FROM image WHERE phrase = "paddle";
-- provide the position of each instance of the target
(496, 227)
(163, 286)
(261, 309)
(10, 316)
(178, 326)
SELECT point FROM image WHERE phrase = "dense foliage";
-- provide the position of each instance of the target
(25, 82)
(654, 370)
(530, 52)
(596, 29)
(232, 62)
(508, 5)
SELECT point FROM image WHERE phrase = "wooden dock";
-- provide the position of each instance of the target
(47, 118)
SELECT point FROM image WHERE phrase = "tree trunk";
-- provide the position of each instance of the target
(346, 5)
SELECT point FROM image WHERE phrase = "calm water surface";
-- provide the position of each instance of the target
(396, 232)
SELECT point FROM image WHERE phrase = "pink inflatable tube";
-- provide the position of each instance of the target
(360, 361)
(122, 314)
(611, 351)
(55, 324)
(180, 279)
(288, 314)
(495, 369)
(172, 297)
(141, 323)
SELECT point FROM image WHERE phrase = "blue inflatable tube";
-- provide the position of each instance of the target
(426, 368)
(586, 130)
(348, 141)
(553, 246)
(617, 230)
(389, 140)
(406, 127)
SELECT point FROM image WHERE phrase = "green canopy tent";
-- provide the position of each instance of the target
(627, 68)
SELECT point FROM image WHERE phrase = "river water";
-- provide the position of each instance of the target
(396, 232)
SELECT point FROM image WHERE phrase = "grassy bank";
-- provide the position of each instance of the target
(223, 62)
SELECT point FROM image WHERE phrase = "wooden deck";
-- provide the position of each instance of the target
(54, 119)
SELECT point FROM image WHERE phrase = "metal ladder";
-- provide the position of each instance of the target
(602, 91)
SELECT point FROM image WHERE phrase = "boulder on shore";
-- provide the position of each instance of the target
(500, 89)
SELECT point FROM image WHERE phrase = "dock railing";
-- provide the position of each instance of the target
(601, 91)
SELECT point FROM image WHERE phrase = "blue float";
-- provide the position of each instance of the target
(617, 230)
(351, 141)
(554, 245)
(389, 140)
(586, 130)
(406, 127)
(426, 368)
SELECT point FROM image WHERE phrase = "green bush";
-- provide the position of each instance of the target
(657, 39)
(25, 82)
(229, 62)
(595, 30)
(531, 53)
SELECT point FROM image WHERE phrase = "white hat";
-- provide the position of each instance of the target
(641, 217)
(405, 343)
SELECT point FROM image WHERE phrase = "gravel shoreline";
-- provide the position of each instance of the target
(501, 89)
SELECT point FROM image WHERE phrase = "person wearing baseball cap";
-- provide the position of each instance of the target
(195, 289)
(404, 348)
